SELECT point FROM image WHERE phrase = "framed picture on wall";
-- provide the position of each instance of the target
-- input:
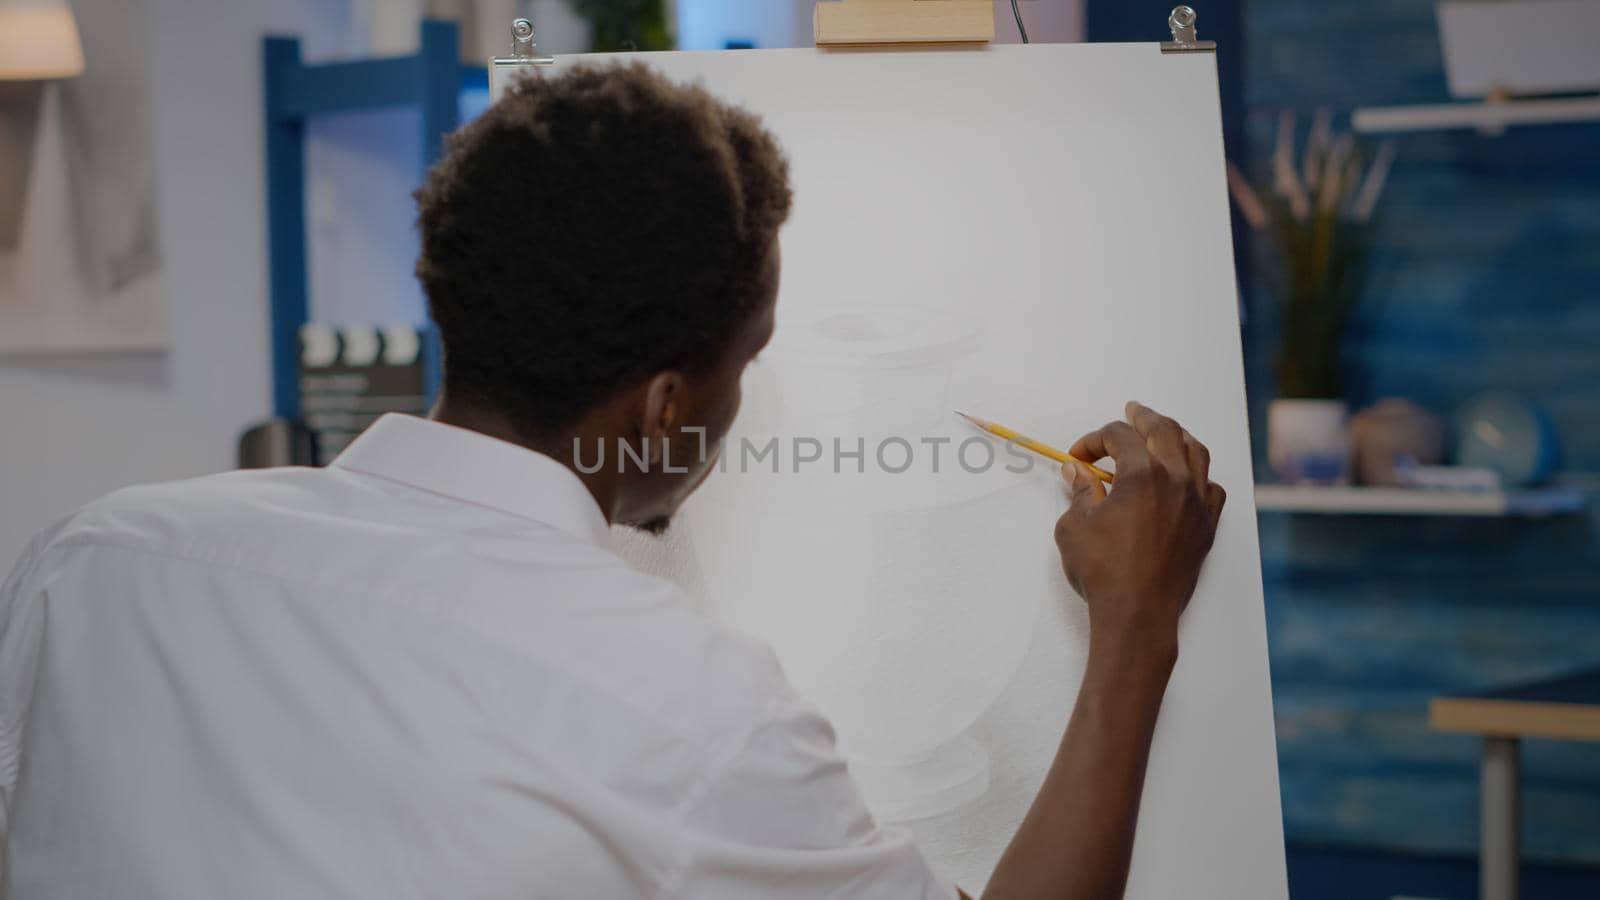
(80, 251)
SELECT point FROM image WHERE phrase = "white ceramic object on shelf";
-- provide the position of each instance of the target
(1308, 441)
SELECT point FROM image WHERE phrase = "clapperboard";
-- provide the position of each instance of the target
(352, 375)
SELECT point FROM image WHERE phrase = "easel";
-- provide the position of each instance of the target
(865, 23)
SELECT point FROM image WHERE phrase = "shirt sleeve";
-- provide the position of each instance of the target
(782, 818)
(21, 623)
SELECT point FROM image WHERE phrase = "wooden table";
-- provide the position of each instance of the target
(1566, 709)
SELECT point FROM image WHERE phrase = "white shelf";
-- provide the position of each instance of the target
(1488, 116)
(1413, 502)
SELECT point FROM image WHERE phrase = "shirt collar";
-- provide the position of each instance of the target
(475, 468)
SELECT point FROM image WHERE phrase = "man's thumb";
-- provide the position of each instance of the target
(1082, 487)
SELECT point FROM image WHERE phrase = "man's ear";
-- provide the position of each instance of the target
(664, 397)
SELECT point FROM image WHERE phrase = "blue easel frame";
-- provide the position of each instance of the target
(431, 79)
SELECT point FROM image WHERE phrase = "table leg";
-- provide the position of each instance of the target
(1499, 819)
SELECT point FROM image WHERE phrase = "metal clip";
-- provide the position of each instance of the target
(1184, 39)
(522, 44)
(524, 55)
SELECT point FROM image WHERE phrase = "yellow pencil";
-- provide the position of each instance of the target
(1038, 447)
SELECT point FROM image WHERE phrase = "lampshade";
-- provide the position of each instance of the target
(38, 42)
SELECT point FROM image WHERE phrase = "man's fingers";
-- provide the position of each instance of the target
(1151, 424)
(1117, 440)
(1162, 436)
(1083, 488)
(1199, 458)
(1216, 498)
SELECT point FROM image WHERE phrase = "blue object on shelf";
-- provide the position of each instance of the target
(1507, 433)
(431, 79)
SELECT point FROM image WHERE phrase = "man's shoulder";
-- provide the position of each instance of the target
(558, 603)
(640, 639)
(201, 505)
(142, 502)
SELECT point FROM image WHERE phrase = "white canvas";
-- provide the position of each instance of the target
(1033, 234)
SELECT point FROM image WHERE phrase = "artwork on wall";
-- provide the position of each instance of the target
(80, 255)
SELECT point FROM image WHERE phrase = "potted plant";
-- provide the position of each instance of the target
(626, 24)
(1316, 220)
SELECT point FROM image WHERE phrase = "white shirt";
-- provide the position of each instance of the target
(416, 673)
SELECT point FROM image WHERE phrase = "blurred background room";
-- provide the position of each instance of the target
(204, 264)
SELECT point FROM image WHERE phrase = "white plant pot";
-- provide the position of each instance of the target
(1308, 441)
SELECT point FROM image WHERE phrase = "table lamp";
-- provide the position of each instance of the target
(38, 43)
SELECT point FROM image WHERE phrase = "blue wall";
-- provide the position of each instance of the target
(1486, 274)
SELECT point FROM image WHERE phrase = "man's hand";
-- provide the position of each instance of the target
(1134, 556)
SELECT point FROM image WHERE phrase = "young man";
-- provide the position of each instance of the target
(420, 672)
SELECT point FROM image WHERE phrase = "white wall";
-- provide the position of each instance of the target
(710, 24)
(72, 428)
(1048, 21)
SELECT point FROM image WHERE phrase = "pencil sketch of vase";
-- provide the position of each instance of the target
(896, 586)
